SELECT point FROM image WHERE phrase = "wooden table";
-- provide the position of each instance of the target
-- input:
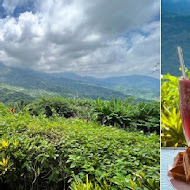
(167, 156)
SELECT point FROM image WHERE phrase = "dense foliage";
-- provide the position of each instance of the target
(40, 152)
(171, 124)
(124, 114)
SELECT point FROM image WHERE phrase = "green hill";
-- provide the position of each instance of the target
(140, 86)
(30, 84)
(175, 32)
(140, 82)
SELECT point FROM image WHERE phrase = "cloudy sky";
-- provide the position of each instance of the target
(100, 38)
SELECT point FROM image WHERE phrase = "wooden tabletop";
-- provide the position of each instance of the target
(167, 156)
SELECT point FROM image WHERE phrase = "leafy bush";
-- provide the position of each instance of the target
(48, 153)
(172, 130)
(122, 113)
(169, 92)
(79, 185)
(82, 108)
(141, 184)
(146, 117)
(171, 124)
(3, 110)
(113, 112)
(48, 105)
(18, 106)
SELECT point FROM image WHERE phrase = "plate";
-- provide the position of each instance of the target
(175, 183)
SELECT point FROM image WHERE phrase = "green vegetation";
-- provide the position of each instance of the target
(59, 143)
(146, 94)
(40, 152)
(36, 84)
(7, 95)
(120, 113)
(171, 124)
(175, 32)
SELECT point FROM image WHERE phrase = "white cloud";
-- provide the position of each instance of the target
(86, 37)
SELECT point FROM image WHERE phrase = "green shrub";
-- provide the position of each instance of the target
(141, 184)
(113, 112)
(169, 92)
(172, 130)
(18, 105)
(78, 184)
(146, 117)
(124, 114)
(119, 113)
(82, 108)
(171, 124)
(3, 110)
(46, 153)
(48, 105)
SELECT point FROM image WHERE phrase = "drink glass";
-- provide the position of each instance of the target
(184, 92)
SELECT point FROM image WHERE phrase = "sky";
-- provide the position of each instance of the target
(102, 38)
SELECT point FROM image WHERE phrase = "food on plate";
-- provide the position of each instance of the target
(181, 166)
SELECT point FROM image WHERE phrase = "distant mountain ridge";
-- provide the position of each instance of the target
(73, 85)
(175, 32)
(130, 81)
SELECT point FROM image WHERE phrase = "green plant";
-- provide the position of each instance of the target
(146, 117)
(78, 184)
(113, 112)
(169, 92)
(142, 183)
(124, 114)
(171, 124)
(172, 130)
(19, 106)
(3, 110)
(48, 105)
(120, 113)
(38, 152)
(145, 183)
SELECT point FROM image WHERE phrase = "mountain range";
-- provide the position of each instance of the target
(16, 83)
(175, 29)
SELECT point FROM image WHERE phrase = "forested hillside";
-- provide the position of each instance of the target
(175, 32)
(32, 84)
